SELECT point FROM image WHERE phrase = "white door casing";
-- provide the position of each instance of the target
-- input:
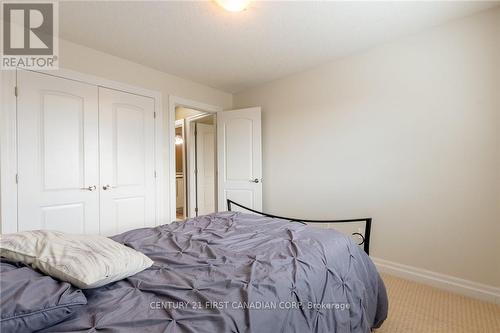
(239, 157)
(57, 154)
(205, 165)
(127, 173)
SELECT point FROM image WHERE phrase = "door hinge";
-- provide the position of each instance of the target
(154, 115)
(155, 173)
(196, 210)
(15, 91)
(17, 178)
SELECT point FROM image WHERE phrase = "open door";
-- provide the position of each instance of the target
(205, 166)
(239, 157)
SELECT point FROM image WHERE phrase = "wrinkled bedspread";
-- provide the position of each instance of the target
(235, 272)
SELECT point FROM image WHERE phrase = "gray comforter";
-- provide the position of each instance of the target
(234, 272)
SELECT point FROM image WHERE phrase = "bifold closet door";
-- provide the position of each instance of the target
(127, 183)
(58, 155)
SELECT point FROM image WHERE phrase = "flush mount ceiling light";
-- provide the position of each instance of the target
(233, 5)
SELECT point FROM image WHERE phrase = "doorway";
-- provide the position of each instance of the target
(195, 163)
(237, 158)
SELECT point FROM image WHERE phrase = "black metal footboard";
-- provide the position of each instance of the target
(365, 239)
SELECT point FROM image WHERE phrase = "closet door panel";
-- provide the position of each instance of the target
(126, 127)
(57, 154)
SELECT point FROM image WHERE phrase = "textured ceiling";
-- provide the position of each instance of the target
(197, 40)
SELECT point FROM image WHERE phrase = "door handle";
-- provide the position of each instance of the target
(107, 187)
(255, 180)
(90, 188)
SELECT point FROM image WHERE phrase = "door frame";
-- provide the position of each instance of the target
(8, 139)
(173, 102)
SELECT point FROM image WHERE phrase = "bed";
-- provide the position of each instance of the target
(237, 272)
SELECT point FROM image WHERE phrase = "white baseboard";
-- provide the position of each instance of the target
(450, 283)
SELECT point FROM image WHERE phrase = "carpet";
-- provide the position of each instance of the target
(417, 308)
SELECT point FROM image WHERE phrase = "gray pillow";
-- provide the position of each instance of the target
(31, 301)
(85, 261)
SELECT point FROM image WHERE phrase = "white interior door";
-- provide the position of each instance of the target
(57, 154)
(205, 165)
(239, 151)
(190, 170)
(127, 177)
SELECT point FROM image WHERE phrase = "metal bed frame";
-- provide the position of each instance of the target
(365, 239)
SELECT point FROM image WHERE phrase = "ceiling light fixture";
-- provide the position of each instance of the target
(233, 5)
(179, 140)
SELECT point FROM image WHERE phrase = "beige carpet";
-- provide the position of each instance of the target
(417, 308)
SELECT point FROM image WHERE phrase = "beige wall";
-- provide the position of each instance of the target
(93, 62)
(182, 112)
(179, 161)
(407, 132)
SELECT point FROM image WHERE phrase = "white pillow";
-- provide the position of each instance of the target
(86, 261)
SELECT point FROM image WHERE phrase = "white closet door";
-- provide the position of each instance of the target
(205, 160)
(239, 149)
(126, 136)
(57, 154)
